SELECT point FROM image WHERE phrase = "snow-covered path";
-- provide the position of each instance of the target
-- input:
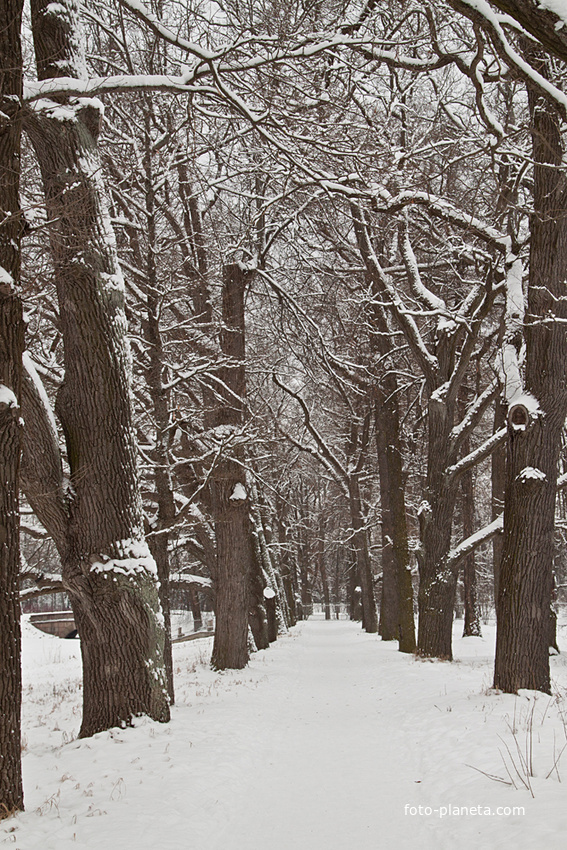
(330, 739)
(323, 757)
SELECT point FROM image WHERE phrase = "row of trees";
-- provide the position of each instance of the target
(291, 290)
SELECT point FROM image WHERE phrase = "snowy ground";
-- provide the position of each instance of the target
(330, 739)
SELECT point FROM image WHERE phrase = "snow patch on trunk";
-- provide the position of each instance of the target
(134, 558)
(530, 473)
(239, 493)
(7, 397)
(6, 278)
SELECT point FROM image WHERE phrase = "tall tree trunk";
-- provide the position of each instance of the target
(498, 483)
(305, 582)
(263, 531)
(337, 584)
(363, 561)
(356, 452)
(389, 597)
(195, 606)
(472, 619)
(285, 560)
(398, 621)
(271, 613)
(326, 591)
(107, 567)
(11, 349)
(229, 498)
(443, 373)
(471, 627)
(437, 584)
(525, 586)
(323, 566)
(257, 616)
(355, 610)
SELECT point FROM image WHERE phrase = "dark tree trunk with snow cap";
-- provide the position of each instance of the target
(108, 570)
(525, 582)
(229, 497)
(257, 615)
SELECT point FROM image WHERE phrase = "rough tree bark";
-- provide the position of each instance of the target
(437, 585)
(396, 609)
(11, 348)
(107, 567)
(397, 623)
(525, 583)
(471, 627)
(356, 452)
(362, 554)
(261, 523)
(257, 615)
(229, 498)
(498, 483)
(285, 558)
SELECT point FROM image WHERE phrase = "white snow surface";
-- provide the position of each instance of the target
(323, 742)
(528, 401)
(7, 396)
(135, 558)
(530, 473)
(5, 277)
(557, 6)
(239, 493)
(509, 363)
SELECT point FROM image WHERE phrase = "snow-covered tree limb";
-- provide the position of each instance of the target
(474, 541)
(444, 210)
(479, 454)
(482, 13)
(473, 416)
(323, 453)
(382, 282)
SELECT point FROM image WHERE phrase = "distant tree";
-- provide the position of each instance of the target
(471, 626)
(346, 466)
(444, 362)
